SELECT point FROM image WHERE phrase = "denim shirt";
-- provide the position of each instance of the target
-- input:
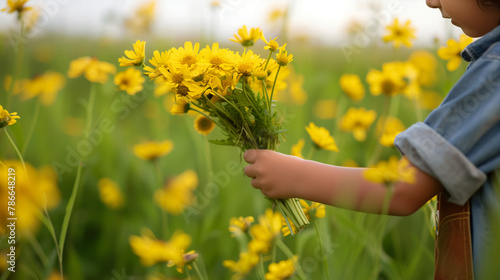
(459, 142)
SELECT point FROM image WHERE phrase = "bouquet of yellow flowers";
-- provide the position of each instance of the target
(234, 91)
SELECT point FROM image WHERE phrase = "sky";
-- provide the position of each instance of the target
(323, 21)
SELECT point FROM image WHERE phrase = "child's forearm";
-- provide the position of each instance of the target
(282, 176)
(347, 188)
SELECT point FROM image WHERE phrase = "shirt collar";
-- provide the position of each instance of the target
(476, 49)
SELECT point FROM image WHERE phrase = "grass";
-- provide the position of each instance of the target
(355, 245)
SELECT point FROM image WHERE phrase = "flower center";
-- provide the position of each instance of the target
(189, 60)
(182, 90)
(177, 78)
(387, 86)
(216, 61)
(245, 68)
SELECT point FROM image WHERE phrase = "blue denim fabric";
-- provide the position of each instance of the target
(459, 142)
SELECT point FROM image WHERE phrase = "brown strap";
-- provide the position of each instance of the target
(453, 250)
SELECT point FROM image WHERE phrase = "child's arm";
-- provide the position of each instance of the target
(282, 176)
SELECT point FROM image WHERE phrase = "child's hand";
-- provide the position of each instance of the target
(275, 174)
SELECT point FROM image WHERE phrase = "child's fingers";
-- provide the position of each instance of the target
(250, 171)
(255, 183)
(250, 156)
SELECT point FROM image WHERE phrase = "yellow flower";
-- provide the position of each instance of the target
(183, 260)
(358, 120)
(55, 275)
(247, 63)
(391, 171)
(246, 39)
(142, 19)
(316, 208)
(7, 82)
(271, 45)
(408, 73)
(350, 163)
(110, 193)
(282, 270)
(240, 225)
(219, 60)
(153, 150)
(203, 125)
(46, 86)
(321, 138)
(276, 14)
(297, 93)
(388, 81)
(16, 6)
(297, 148)
(135, 57)
(179, 242)
(453, 50)
(7, 118)
(245, 264)
(352, 86)
(31, 195)
(158, 60)
(187, 55)
(130, 80)
(430, 100)
(282, 58)
(180, 80)
(325, 109)
(177, 194)
(433, 199)
(286, 229)
(426, 65)
(181, 106)
(400, 34)
(94, 70)
(392, 127)
(151, 250)
(264, 233)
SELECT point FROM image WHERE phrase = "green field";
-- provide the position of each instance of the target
(96, 246)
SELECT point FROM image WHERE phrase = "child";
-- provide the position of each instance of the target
(455, 152)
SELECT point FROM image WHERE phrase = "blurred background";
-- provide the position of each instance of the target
(327, 39)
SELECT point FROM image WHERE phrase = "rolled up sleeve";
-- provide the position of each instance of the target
(431, 153)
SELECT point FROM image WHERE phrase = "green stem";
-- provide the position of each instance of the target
(76, 186)
(262, 269)
(385, 114)
(289, 254)
(205, 115)
(188, 274)
(58, 249)
(264, 89)
(90, 107)
(418, 111)
(38, 249)
(272, 90)
(69, 210)
(268, 58)
(18, 154)
(159, 177)
(33, 125)
(200, 275)
(159, 182)
(208, 156)
(311, 152)
(320, 241)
